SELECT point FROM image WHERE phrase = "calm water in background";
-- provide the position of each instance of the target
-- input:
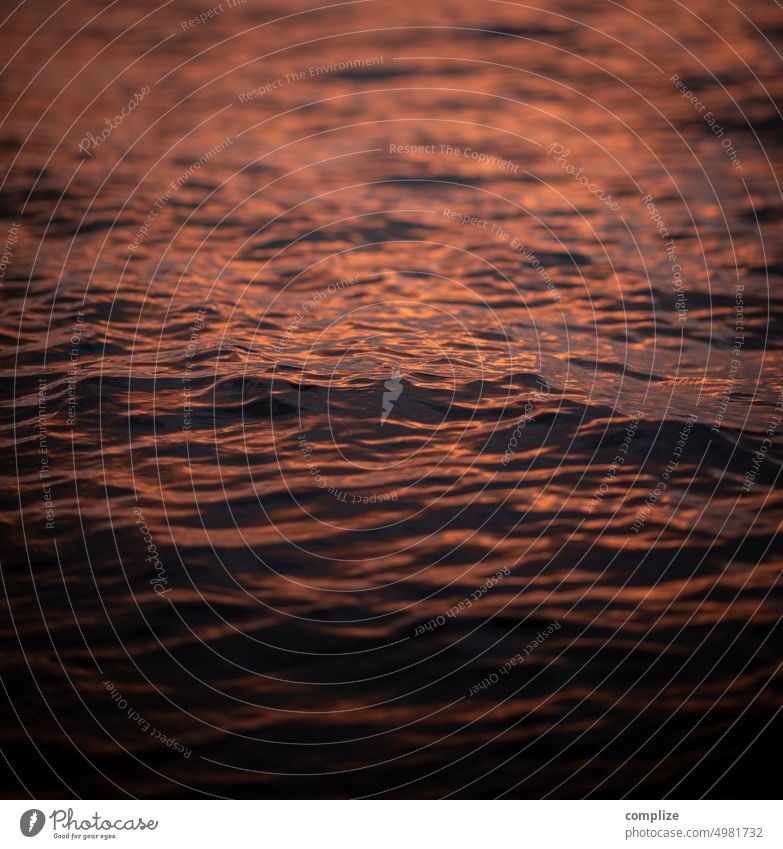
(203, 390)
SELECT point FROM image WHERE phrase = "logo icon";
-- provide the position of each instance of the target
(393, 388)
(31, 822)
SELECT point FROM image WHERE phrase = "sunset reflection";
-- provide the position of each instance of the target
(358, 355)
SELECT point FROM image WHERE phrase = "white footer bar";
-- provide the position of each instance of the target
(392, 824)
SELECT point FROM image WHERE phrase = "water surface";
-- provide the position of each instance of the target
(391, 399)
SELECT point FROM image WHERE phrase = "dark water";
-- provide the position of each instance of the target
(336, 468)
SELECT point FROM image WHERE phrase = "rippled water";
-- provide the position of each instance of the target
(391, 399)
